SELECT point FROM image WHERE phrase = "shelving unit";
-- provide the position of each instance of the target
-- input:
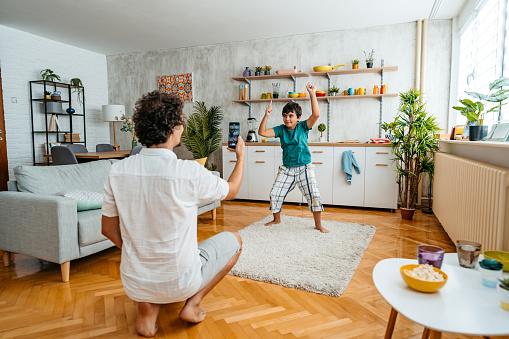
(377, 70)
(58, 134)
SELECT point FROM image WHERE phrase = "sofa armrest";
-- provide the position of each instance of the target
(43, 226)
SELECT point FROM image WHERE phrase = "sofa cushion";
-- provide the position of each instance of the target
(85, 200)
(88, 176)
(89, 227)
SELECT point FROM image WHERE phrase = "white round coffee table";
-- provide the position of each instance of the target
(462, 306)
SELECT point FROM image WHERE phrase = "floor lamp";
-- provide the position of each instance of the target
(113, 114)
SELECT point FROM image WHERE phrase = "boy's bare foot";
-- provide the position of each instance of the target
(192, 313)
(322, 229)
(146, 319)
(273, 222)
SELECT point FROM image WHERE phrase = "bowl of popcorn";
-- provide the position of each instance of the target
(423, 278)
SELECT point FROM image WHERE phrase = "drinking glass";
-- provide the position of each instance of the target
(429, 254)
(468, 253)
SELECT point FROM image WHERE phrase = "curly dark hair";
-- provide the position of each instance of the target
(155, 116)
(292, 106)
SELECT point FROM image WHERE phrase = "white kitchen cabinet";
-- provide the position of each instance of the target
(229, 162)
(381, 189)
(295, 195)
(260, 174)
(344, 193)
(321, 157)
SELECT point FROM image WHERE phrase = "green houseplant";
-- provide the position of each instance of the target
(321, 128)
(497, 95)
(355, 64)
(413, 144)
(474, 112)
(370, 58)
(48, 75)
(202, 134)
(77, 86)
(333, 91)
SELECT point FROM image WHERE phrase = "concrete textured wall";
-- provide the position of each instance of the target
(131, 75)
(22, 57)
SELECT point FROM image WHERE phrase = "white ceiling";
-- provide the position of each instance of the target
(119, 26)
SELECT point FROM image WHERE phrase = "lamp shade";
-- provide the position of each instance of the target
(113, 112)
(53, 107)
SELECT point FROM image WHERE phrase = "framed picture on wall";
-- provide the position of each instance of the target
(179, 84)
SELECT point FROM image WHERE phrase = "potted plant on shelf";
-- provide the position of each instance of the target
(48, 75)
(47, 95)
(333, 91)
(258, 70)
(474, 112)
(355, 64)
(370, 58)
(503, 291)
(77, 86)
(267, 70)
(202, 135)
(413, 145)
(321, 128)
(497, 95)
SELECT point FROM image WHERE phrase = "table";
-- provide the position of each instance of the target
(462, 306)
(101, 155)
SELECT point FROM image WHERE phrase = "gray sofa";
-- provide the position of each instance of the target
(35, 221)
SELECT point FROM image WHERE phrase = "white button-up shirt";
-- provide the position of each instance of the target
(156, 197)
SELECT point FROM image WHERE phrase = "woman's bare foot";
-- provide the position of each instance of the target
(321, 229)
(146, 318)
(192, 313)
(273, 222)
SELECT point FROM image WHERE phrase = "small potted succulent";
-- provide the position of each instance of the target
(258, 70)
(321, 128)
(355, 64)
(47, 95)
(503, 291)
(267, 70)
(333, 91)
(370, 58)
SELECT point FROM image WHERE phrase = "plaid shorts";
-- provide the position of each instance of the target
(286, 180)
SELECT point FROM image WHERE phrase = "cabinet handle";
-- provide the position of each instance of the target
(317, 152)
(260, 162)
(381, 165)
(260, 151)
(382, 152)
(317, 163)
(233, 160)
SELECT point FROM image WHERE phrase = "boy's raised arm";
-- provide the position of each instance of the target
(263, 130)
(315, 110)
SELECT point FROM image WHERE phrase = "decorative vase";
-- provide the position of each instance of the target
(504, 297)
(70, 110)
(355, 66)
(247, 72)
(202, 161)
(369, 64)
(407, 213)
(476, 133)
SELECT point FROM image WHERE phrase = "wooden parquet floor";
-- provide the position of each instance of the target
(35, 304)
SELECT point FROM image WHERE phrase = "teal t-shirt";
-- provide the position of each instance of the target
(294, 144)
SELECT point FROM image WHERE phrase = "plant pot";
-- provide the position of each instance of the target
(503, 297)
(267, 72)
(476, 133)
(369, 64)
(407, 213)
(355, 66)
(257, 73)
(202, 161)
(333, 94)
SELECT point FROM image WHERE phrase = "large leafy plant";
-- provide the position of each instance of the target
(202, 134)
(497, 95)
(473, 111)
(413, 144)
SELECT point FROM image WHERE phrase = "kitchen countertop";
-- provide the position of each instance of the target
(333, 144)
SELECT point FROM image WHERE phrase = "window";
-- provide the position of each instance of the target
(482, 51)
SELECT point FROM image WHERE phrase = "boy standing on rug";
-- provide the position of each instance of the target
(297, 168)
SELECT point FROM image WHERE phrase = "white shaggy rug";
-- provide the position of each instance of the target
(294, 254)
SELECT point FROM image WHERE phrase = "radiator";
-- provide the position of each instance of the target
(471, 201)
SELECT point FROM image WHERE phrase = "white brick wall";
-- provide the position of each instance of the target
(22, 57)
